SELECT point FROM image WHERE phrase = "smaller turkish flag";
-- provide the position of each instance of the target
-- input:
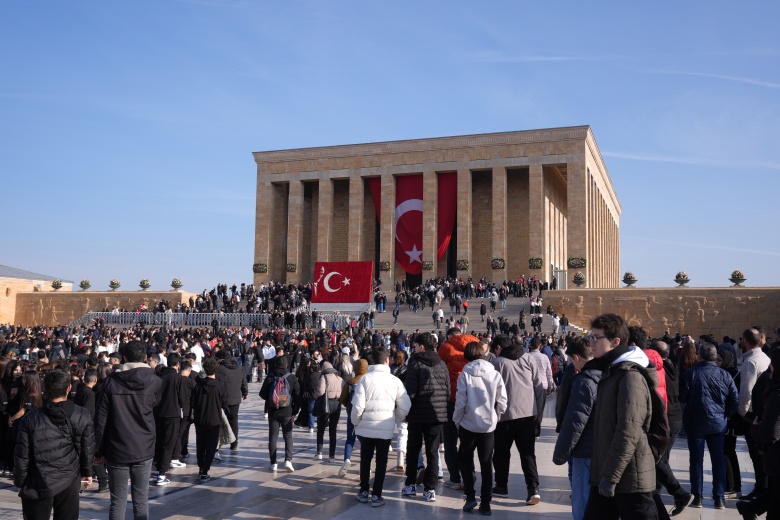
(342, 282)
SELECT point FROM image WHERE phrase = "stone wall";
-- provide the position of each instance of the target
(721, 312)
(57, 308)
(11, 287)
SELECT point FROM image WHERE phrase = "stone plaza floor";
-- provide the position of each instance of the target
(243, 488)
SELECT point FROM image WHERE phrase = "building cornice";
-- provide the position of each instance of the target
(425, 145)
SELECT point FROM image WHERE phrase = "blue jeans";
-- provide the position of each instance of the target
(138, 474)
(311, 415)
(696, 449)
(350, 442)
(580, 488)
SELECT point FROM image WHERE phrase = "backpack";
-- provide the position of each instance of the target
(280, 393)
(658, 432)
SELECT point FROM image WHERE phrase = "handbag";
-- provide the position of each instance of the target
(226, 435)
(324, 406)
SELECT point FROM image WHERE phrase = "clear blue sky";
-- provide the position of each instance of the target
(126, 128)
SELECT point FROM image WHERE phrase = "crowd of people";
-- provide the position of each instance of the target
(126, 399)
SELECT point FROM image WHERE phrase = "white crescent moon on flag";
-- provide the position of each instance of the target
(405, 206)
(327, 279)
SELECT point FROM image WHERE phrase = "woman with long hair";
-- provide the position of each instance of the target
(26, 397)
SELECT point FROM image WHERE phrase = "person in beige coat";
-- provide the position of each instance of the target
(330, 382)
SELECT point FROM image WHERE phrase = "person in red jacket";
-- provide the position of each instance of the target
(451, 352)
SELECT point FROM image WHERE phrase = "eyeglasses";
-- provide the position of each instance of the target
(593, 338)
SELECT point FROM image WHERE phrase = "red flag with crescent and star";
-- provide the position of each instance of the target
(408, 223)
(342, 282)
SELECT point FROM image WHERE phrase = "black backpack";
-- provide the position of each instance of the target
(658, 433)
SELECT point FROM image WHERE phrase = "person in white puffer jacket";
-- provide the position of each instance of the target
(479, 402)
(379, 402)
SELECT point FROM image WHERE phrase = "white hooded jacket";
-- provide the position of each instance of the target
(480, 399)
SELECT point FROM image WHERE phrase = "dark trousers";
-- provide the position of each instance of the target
(330, 421)
(664, 477)
(634, 506)
(102, 474)
(368, 446)
(206, 441)
(167, 435)
(757, 456)
(521, 432)
(274, 425)
(183, 439)
(483, 443)
(430, 434)
(733, 477)
(450, 434)
(65, 505)
(768, 503)
(233, 420)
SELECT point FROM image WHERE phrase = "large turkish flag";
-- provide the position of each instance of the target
(342, 282)
(408, 223)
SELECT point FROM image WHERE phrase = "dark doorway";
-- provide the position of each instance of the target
(376, 252)
(413, 280)
(452, 251)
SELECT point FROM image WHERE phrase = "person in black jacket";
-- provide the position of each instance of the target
(125, 430)
(208, 399)
(85, 397)
(55, 446)
(427, 381)
(181, 452)
(280, 416)
(167, 416)
(232, 376)
(663, 472)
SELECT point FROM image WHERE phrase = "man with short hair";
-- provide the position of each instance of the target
(452, 353)
(380, 401)
(575, 440)
(55, 446)
(517, 425)
(427, 382)
(754, 363)
(622, 473)
(167, 415)
(125, 431)
(231, 374)
(712, 398)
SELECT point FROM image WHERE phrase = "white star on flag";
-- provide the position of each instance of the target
(415, 255)
(346, 281)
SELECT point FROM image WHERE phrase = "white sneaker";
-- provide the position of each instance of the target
(288, 466)
(177, 464)
(265, 416)
(273, 467)
(409, 491)
(318, 456)
(162, 480)
(429, 496)
(311, 430)
(218, 457)
(344, 468)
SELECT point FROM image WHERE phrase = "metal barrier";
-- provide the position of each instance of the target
(205, 319)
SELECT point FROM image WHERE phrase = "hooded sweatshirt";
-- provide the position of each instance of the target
(522, 380)
(124, 420)
(451, 352)
(480, 397)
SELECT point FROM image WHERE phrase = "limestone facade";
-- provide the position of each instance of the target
(520, 195)
(10, 289)
(57, 308)
(725, 311)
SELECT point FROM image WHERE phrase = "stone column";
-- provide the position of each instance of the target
(463, 220)
(294, 230)
(577, 199)
(387, 228)
(355, 253)
(536, 217)
(324, 220)
(262, 229)
(499, 220)
(430, 222)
